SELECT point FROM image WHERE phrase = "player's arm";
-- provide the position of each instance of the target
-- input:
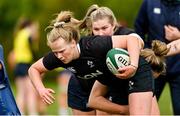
(35, 72)
(99, 102)
(130, 42)
(174, 47)
(133, 43)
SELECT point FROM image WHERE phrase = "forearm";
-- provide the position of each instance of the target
(174, 47)
(134, 45)
(103, 104)
(35, 78)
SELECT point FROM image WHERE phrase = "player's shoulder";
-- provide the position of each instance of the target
(95, 44)
(123, 31)
(95, 40)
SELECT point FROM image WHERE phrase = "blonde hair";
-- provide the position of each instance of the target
(64, 26)
(95, 13)
(156, 55)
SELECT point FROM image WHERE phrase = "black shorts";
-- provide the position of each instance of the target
(119, 95)
(77, 95)
(21, 70)
(142, 81)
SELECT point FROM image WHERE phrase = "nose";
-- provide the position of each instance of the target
(100, 33)
(59, 55)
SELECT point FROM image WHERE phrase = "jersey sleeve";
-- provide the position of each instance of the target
(50, 61)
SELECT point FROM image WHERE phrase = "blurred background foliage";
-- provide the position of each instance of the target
(44, 11)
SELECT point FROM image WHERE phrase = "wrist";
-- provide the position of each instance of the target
(134, 66)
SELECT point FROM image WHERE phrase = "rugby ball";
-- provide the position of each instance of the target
(117, 58)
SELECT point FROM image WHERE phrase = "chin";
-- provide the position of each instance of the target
(65, 62)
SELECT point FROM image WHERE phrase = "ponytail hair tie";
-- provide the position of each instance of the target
(59, 24)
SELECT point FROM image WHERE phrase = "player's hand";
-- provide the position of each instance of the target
(46, 94)
(171, 33)
(0, 66)
(126, 72)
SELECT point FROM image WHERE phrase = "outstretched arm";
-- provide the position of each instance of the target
(99, 102)
(35, 72)
(174, 47)
(171, 33)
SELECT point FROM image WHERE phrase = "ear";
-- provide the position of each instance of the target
(114, 26)
(73, 43)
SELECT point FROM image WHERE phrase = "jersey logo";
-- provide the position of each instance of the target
(91, 75)
(110, 98)
(157, 11)
(131, 84)
(90, 63)
(72, 69)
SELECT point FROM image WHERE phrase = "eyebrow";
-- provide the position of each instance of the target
(58, 50)
(100, 27)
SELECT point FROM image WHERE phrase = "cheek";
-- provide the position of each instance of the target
(109, 31)
(95, 32)
(66, 54)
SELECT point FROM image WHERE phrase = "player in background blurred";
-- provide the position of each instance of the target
(20, 59)
(160, 19)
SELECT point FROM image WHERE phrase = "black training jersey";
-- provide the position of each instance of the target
(91, 65)
(123, 31)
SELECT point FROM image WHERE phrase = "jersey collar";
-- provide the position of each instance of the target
(78, 47)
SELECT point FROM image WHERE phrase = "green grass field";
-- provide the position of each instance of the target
(164, 102)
